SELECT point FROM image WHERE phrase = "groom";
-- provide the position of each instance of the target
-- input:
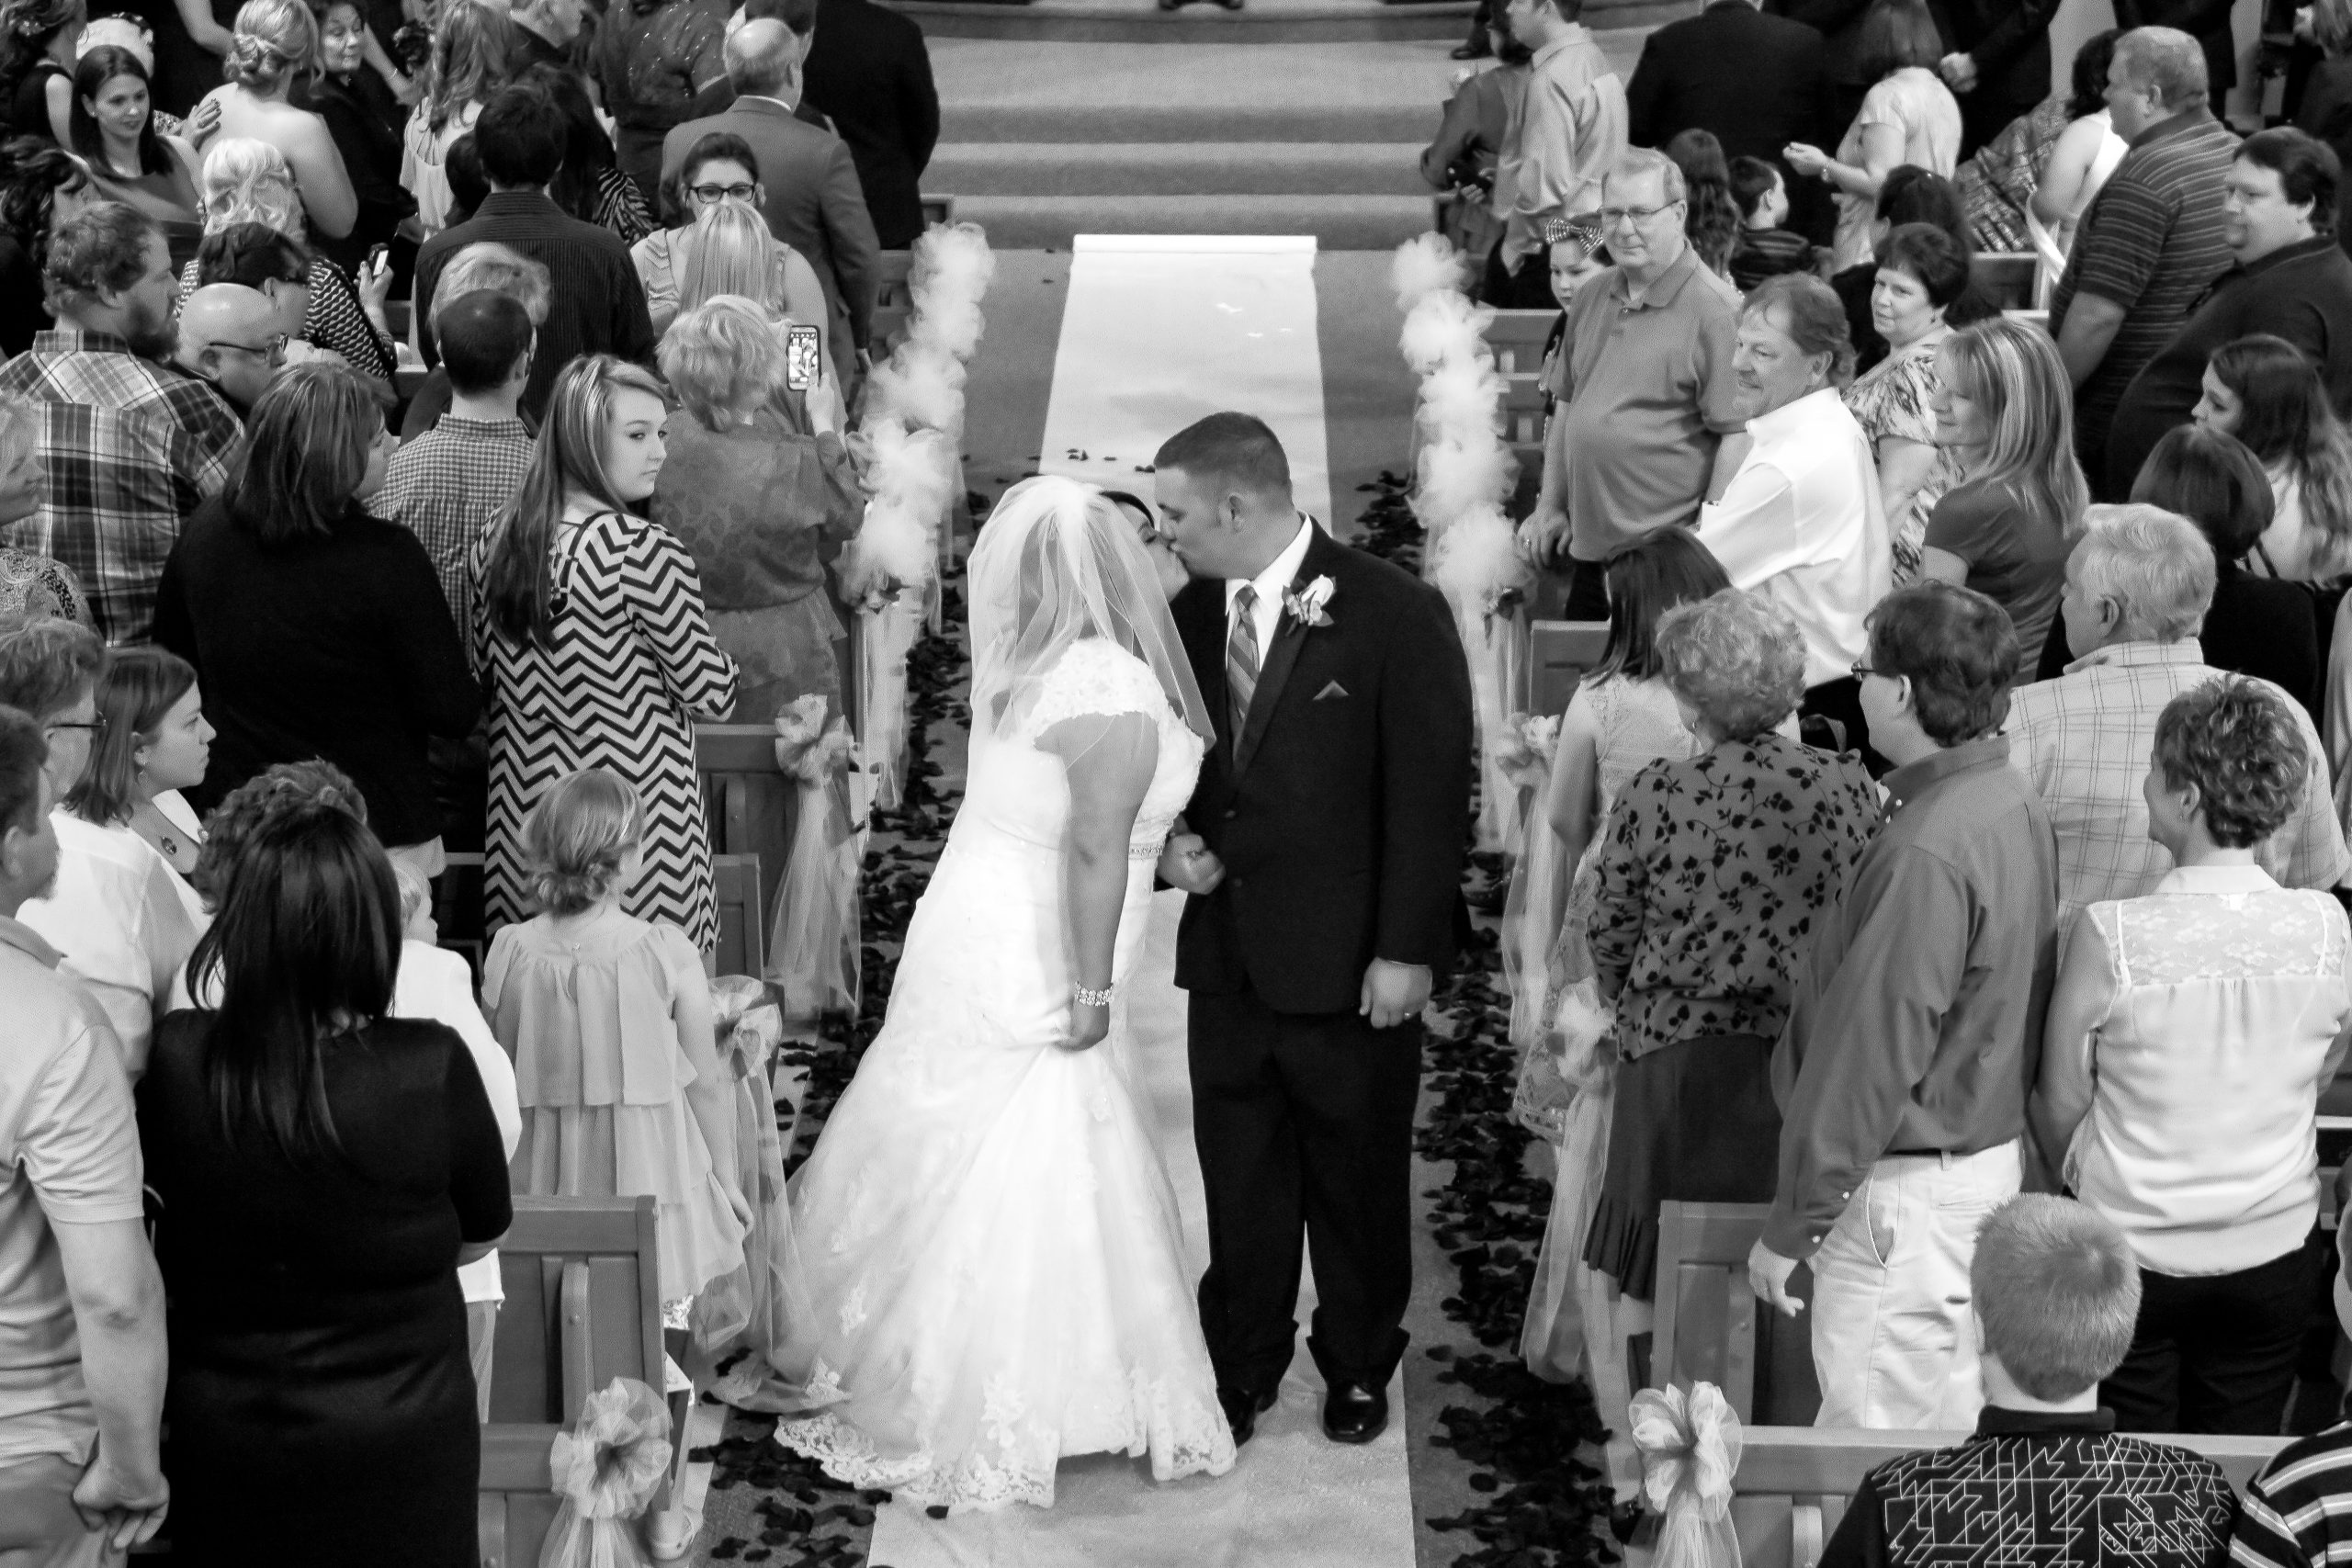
(1323, 852)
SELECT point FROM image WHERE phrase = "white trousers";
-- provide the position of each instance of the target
(1893, 1343)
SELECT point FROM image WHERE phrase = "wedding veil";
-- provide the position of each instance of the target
(1056, 563)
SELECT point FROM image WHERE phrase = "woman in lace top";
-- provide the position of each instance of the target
(2188, 1037)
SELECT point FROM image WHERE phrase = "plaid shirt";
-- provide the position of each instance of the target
(2084, 740)
(447, 485)
(128, 449)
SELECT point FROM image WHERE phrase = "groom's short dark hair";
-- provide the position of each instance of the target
(1229, 451)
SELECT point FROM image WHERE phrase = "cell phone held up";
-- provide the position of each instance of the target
(800, 363)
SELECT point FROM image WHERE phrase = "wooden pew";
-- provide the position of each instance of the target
(514, 1506)
(1559, 652)
(742, 916)
(1522, 410)
(1517, 337)
(937, 210)
(750, 805)
(893, 302)
(1710, 1327)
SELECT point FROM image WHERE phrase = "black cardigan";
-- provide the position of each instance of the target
(338, 647)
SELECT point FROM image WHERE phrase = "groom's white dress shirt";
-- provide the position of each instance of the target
(1267, 613)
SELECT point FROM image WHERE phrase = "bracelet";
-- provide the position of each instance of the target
(1086, 998)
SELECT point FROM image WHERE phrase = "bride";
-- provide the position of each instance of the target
(987, 1274)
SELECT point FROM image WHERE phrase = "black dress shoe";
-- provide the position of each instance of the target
(1354, 1412)
(1242, 1408)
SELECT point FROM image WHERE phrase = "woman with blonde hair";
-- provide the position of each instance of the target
(730, 252)
(2005, 414)
(719, 172)
(596, 651)
(273, 51)
(761, 506)
(470, 47)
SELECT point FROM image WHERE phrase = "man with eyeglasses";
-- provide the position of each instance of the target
(1642, 384)
(1566, 127)
(229, 339)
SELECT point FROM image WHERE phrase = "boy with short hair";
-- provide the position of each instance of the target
(1765, 249)
(2298, 1512)
(2046, 1478)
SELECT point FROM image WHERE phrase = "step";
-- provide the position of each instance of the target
(1176, 168)
(1259, 22)
(1338, 222)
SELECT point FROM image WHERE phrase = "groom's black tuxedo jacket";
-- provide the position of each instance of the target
(1342, 811)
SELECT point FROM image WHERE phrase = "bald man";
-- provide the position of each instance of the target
(811, 197)
(229, 336)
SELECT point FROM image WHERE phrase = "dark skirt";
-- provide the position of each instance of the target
(1695, 1122)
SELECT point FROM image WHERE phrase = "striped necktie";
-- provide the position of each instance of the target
(1241, 658)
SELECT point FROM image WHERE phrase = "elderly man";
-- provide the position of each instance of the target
(2292, 280)
(1902, 1074)
(1800, 522)
(1642, 384)
(2137, 588)
(1567, 125)
(229, 339)
(2154, 238)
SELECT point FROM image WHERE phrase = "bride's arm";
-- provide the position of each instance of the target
(1110, 759)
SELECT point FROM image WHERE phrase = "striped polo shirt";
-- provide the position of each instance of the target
(2298, 1512)
(2151, 242)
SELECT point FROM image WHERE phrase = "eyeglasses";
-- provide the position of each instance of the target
(273, 350)
(1862, 672)
(97, 726)
(1613, 216)
(706, 194)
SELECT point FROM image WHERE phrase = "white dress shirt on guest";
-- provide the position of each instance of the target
(118, 916)
(2190, 1034)
(1801, 522)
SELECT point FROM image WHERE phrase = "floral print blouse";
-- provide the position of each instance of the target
(1712, 875)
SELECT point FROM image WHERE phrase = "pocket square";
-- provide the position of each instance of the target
(1331, 689)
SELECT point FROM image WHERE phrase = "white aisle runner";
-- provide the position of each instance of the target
(1160, 328)
(1293, 1498)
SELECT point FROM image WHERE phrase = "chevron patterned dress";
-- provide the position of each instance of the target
(631, 667)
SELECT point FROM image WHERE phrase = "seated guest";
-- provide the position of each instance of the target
(229, 340)
(1799, 522)
(300, 1135)
(720, 169)
(81, 1306)
(2054, 1295)
(113, 910)
(1902, 1074)
(41, 187)
(1921, 275)
(2262, 390)
(1711, 874)
(2191, 1033)
(318, 630)
(254, 235)
(1764, 249)
(501, 269)
(131, 447)
(2005, 416)
(114, 132)
(2136, 589)
(761, 508)
(2256, 626)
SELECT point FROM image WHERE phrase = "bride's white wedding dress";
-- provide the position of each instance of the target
(989, 1267)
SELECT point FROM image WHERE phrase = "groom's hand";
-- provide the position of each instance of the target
(1393, 992)
(1187, 862)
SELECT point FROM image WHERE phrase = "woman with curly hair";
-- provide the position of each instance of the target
(2188, 1037)
(469, 53)
(275, 52)
(1712, 219)
(2262, 390)
(254, 235)
(41, 187)
(37, 38)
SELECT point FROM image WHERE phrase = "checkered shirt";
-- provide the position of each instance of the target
(2083, 741)
(128, 449)
(445, 487)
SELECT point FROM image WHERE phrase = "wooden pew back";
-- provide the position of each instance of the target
(1559, 652)
(1517, 337)
(1710, 1327)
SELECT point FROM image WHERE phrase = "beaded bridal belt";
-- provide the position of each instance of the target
(1144, 851)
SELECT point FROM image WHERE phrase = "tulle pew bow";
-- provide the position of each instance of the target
(1689, 1446)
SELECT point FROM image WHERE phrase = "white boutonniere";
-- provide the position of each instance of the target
(1306, 604)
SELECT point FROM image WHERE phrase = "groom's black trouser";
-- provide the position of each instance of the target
(1304, 1126)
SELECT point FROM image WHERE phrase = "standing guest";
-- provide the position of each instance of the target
(545, 32)
(1569, 129)
(1461, 161)
(501, 270)
(1902, 1074)
(80, 1306)
(254, 235)
(320, 630)
(2262, 390)
(470, 48)
(1999, 63)
(1999, 184)
(1764, 249)
(189, 44)
(2191, 1031)
(595, 305)
(1644, 386)
(37, 52)
(866, 69)
(2154, 240)
(2054, 1293)
(2004, 527)
(2137, 588)
(808, 185)
(1922, 273)
(2291, 280)
(2088, 150)
(40, 188)
(2207, 21)
(762, 507)
(275, 52)
(113, 127)
(589, 186)
(718, 169)
(1910, 195)
(589, 625)
(131, 447)
(446, 484)
(229, 340)
(1908, 116)
(1711, 218)
(365, 117)
(153, 743)
(299, 1133)
(1799, 523)
(729, 251)
(1712, 875)
(661, 63)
